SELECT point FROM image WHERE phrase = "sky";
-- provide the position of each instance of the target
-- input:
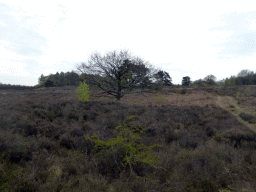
(184, 38)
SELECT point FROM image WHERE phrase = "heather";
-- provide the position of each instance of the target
(200, 146)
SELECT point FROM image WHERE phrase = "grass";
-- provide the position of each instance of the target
(159, 99)
(191, 99)
(136, 101)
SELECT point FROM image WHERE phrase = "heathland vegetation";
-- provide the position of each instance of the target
(151, 140)
(119, 130)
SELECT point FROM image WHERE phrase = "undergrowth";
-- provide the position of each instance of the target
(43, 145)
(127, 139)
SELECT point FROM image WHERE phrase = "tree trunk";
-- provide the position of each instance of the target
(119, 91)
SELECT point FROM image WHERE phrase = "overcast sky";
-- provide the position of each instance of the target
(185, 38)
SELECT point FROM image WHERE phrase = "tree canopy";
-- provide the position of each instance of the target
(210, 79)
(163, 78)
(116, 73)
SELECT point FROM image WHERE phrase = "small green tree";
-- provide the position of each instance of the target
(41, 79)
(62, 80)
(38, 85)
(230, 81)
(128, 138)
(83, 92)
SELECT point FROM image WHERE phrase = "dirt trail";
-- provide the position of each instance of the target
(230, 104)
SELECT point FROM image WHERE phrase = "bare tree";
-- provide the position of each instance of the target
(116, 73)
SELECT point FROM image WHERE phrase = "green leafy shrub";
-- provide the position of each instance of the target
(38, 85)
(136, 101)
(126, 143)
(239, 94)
(83, 92)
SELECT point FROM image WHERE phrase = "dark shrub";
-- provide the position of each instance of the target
(47, 143)
(93, 115)
(85, 117)
(236, 136)
(151, 132)
(67, 143)
(49, 83)
(191, 140)
(27, 187)
(247, 117)
(109, 162)
(20, 157)
(142, 170)
(68, 170)
(42, 176)
(72, 115)
(30, 130)
(85, 146)
(77, 132)
(183, 91)
(171, 136)
(210, 131)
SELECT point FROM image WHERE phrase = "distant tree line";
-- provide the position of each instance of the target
(113, 73)
(159, 78)
(15, 87)
(59, 79)
(207, 81)
(244, 77)
(119, 73)
(73, 79)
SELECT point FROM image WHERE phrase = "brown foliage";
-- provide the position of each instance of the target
(204, 148)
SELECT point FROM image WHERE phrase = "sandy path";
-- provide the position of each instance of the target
(226, 102)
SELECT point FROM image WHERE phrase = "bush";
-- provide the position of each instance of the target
(38, 86)
(127, 144)
(83, 92)
(177, 91)
(156, 87)
(248, 117)
(195, 86)
(159, 98)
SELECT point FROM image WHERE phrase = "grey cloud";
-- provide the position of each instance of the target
(23, 40)
(243, 41)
